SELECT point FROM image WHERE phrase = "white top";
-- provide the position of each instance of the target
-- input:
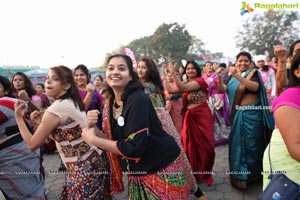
(269, 80)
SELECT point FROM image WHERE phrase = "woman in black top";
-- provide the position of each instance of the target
(136, 143)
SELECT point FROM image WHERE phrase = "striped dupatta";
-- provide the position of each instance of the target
(117, 185)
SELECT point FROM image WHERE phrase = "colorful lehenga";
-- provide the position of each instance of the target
(169, 182)
(87, 173)
(169, 127)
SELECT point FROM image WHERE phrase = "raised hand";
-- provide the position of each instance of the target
(90, 88)
(219, 70)
(165, 69)
(20, 107)
(233, 71)
(172, 68)
(280, 52)
(22, 94)
(92, 118)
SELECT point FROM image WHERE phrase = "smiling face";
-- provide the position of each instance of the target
(81, 78)
(208, 67)
(117, 74)
(191, 71)
(242, 63)
(54, 86)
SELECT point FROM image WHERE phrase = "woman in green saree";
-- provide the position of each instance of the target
(250, 119)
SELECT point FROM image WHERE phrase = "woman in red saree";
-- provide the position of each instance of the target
(197, 134)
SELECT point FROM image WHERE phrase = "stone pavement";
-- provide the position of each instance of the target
(221, 189)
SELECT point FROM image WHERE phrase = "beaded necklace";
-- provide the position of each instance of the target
(117, 109)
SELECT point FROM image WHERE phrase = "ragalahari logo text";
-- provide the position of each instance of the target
(246, 8)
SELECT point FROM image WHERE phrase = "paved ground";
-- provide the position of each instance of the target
(221, 189)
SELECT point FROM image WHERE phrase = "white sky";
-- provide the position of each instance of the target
(72, 32)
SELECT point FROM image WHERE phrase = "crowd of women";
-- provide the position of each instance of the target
(139, 134)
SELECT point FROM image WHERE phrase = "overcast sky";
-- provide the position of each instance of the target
(72, 32)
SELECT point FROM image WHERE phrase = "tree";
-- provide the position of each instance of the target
(195, 49)
(261, 32)
(140, 47)
(170, 42)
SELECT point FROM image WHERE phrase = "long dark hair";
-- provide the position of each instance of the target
(197, 67)
(85, 70)
(153, 75)
(134, 84)
(291, 50)
(65, 75)
(28, 86)
(6, 86)
(294, 80)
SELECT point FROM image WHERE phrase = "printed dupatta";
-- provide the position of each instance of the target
(116, 173)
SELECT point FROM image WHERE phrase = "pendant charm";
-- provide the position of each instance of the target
(120, 121)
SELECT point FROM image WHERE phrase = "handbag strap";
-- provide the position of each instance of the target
(271, 172)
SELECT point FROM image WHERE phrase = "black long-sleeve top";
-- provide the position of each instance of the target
(145, 146)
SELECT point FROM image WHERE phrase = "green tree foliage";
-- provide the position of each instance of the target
(261, 32)
(195, 49)
(170, 42)
(140, 47)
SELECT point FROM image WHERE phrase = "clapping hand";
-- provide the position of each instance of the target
(165, 69)
(233, 71)
(172, 68)
(219, 70)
